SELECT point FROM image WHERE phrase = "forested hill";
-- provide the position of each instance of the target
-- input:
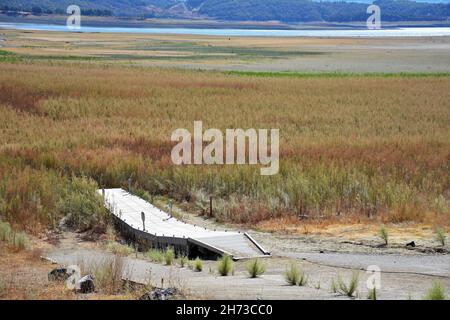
(241, 10)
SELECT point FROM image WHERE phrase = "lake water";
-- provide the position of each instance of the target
(399, 32)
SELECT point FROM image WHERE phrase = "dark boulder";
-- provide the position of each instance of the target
(86, 284)
(411, 244)
(59, 274)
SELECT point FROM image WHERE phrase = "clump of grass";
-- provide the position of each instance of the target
(119, 249)
(294, 276)
(155, 255)
(183, 260)
(440, 236)
(5, 231)
(255, 268)
(17, 240)
(225, 265)
(339, 286)
(436, 292)
(198, 265)
(384, 235)
(169, 256)
(108, 275)
(372, 294)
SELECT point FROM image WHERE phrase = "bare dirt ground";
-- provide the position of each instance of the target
(402, 277)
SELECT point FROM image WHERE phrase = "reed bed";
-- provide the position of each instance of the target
(370, 146)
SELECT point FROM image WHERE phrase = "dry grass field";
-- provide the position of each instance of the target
(364, 148)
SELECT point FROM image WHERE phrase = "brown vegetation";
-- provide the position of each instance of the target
(371, 147)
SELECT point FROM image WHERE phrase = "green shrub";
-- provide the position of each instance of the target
(225, 265)
(198, 265)
(436, 292)
(255, 268)
(169, 256)
(82, 205)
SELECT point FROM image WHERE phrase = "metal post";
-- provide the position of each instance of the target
(143, 220)
(210, 207)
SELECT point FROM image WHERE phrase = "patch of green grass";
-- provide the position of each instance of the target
(6, 56)
(255, 268)
(436, 292)
(225, 265)
(335, 74)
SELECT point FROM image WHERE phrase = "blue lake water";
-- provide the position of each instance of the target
(354, 33)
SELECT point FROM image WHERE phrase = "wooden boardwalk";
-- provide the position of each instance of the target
(159, 229)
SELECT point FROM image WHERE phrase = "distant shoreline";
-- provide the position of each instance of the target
(114, 22)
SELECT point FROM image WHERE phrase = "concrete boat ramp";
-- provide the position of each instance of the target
(141, 222)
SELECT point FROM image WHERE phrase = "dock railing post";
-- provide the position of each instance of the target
(210, 206)
(143, 220)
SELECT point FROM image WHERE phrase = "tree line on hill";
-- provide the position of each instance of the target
(241, 10)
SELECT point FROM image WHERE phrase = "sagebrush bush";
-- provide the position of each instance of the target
(225, 265)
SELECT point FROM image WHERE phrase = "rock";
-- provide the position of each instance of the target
(411, 244)
(75, 274)
(86, 284)
(59, 274)
(159, 294)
